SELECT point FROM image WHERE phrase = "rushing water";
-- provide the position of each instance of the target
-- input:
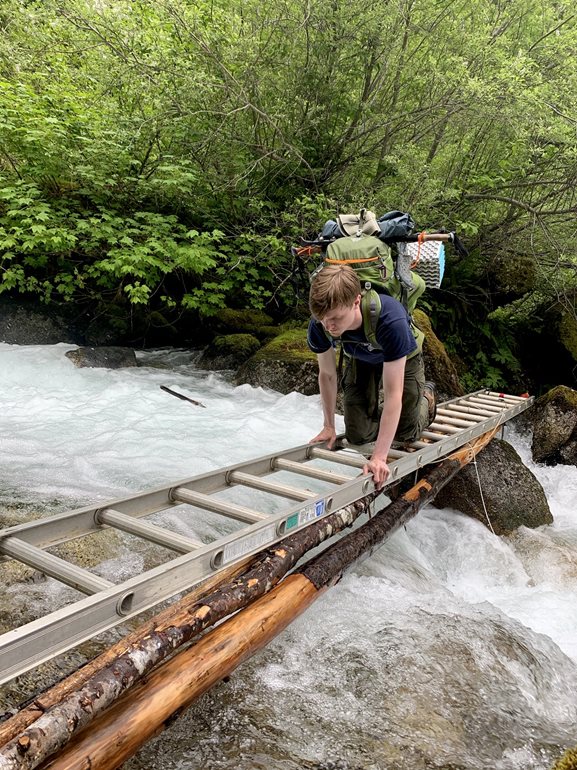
(449, 648)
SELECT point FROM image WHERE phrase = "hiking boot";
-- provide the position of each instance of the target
(430, 393)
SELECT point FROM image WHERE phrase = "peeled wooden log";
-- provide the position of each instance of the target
(118, 733)
(54, 717)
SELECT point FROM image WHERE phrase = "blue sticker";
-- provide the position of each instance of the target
(319, 507)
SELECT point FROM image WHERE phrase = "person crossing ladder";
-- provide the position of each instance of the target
(386, 355)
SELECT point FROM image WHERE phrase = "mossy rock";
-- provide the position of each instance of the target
(554, 421)
(284, 364)
(568, 761)
(438, 366)
(512, 495)
(233, 321)
(514, 273)
(290, 345)
(105, 357)
(228, 351)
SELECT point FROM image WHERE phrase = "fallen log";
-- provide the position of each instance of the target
(140, 714)
(75, 681)
(53, 718)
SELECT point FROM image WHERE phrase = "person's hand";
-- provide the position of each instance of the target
(327, 434)
(379, 469)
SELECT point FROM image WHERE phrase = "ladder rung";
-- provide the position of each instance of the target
(512, 400)
(488, 405)
(238, 512)
(55, 567)
(476, 413)
(443, 418)
(264, 485)
(396, 454)
(445, 428)
(308, 470)
(343, 458)
(419, 444)
(464, 421)
(148, 531)
(432, 436)
(495, 400)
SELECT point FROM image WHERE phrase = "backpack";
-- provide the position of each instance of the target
(363, 241)
(371, 259)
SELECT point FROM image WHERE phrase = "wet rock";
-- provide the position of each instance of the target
(228, 351)
(285, 364)
(26, 323)
(512, 495)
(438, 365)
(105, 357)
(553, 418)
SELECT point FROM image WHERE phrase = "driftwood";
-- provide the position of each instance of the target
(116, 734)
(182, 396)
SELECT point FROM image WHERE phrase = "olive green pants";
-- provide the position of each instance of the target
(362, 387)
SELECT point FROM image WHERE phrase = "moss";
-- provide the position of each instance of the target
(434, 345)
(560, 393)
(291, 345)
(514, 273)
(242, 320)
(242, 345)
(567, 762)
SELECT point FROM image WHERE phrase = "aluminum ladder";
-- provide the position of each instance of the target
(107, 604)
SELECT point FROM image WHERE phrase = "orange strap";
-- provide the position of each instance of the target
(350, 261)
(420, 240)
(307, 251)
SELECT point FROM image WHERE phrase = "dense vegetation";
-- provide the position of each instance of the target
(157, 158)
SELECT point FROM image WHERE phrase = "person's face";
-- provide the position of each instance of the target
(343, 318)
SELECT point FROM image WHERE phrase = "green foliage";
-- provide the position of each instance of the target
(163, 155)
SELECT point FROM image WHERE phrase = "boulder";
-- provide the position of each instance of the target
(234, 321)
(27, 323)
(438, 366)
(104, 357)
(512, 495)
(228, 351)
(284, 364)
(553, 418)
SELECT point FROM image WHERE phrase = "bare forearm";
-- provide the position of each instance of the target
(328, 391)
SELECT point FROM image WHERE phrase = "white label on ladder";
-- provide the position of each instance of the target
(249, 543)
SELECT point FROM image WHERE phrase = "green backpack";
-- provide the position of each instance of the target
(372, 261)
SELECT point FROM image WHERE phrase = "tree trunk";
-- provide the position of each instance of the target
(117, 734)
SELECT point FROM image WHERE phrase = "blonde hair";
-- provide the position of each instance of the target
(333, 286)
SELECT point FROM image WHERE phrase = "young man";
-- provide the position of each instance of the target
(408, 402)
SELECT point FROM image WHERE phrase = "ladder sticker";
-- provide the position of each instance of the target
(292, 521)
(249, 543)
(309, 513)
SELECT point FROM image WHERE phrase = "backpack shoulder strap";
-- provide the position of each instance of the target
(371, 311)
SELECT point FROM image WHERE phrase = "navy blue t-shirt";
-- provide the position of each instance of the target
(393, 334)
